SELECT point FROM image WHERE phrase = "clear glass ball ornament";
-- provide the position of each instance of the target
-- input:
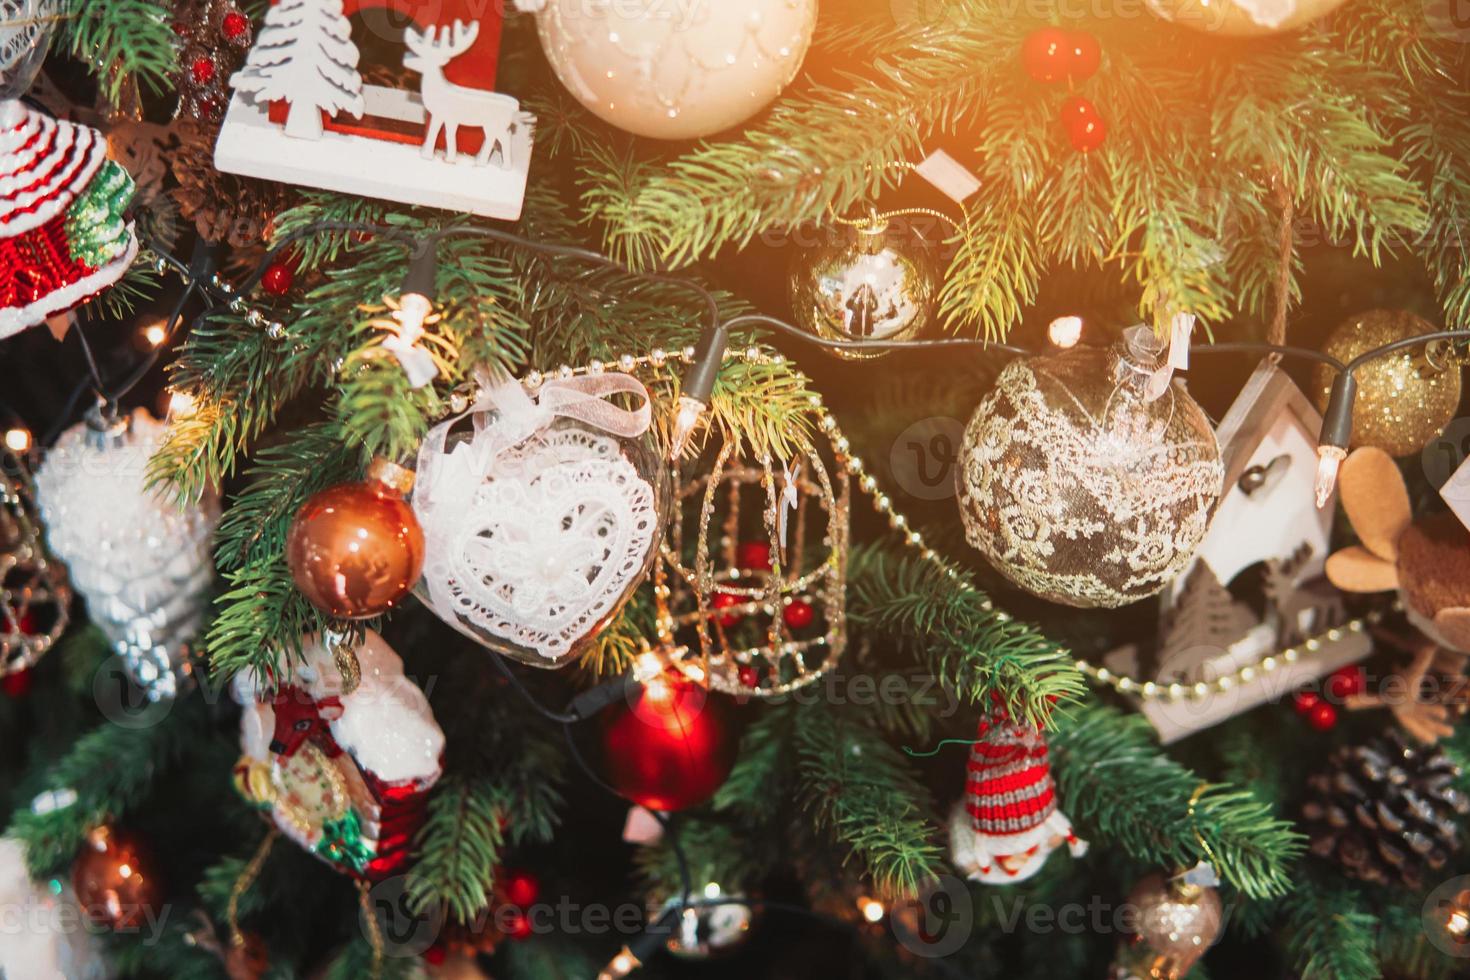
(25, 34)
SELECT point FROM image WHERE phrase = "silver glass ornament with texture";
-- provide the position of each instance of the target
(25, 34)
(139, 557)
(711, 927)
(866, 286)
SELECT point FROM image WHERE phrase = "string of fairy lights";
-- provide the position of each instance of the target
(701, 362)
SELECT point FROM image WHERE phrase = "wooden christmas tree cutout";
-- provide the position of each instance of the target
(302, 114)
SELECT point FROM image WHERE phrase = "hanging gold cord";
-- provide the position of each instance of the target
(242, 885)
(375, 935)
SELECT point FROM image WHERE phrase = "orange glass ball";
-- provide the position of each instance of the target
(356, 549)
(115, 881)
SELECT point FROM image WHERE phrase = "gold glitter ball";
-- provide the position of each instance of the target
(1403, 400)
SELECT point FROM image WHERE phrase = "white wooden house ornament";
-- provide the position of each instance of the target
(301, 113)
(1269, 527)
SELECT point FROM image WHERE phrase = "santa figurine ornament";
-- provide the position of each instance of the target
(342, 760)
(1008, 823)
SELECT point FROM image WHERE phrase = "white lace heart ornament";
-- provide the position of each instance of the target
(540, 524)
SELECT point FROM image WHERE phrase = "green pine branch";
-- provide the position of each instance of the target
(1334, 935)
(458, 848)
(128, 41)
(976, 651)
(862, 794)
(111, 769)
(1113, 779)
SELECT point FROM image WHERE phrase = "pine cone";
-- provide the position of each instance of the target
(1386, 811)
(223, 207)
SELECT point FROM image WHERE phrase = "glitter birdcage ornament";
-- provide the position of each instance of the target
(34, 595)
(757, 560)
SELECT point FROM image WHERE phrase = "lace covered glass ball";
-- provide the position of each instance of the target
(1079, 489)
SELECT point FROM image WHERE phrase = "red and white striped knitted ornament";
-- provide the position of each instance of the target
(1009, 821)
(45, 164)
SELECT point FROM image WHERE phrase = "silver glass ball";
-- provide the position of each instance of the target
(864, 286)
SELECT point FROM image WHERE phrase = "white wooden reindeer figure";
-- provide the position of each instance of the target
(450, 106)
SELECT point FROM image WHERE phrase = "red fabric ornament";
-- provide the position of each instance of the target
(726, 600)
(17, 684)
(754, 555)
(1322, 716)
(671, 748)
(1045, 54)
(203, 70)
(1084, 126)
(521, 888)
(278, 279)
(798, 614)
(1344, 682)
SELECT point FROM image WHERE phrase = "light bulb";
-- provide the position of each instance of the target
(1065, 331)
(690, 411)
(154, 334)
(872, 910)
(620, 966)
(413, 310)
(181, 403)
(18, 440)
(1329, 459)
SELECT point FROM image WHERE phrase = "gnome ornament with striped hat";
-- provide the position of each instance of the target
(63, 236)
(1008, 822)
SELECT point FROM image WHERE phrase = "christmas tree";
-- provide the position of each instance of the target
(688, 543)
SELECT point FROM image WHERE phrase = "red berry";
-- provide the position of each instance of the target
(18, 684)
(181, 28)
(518, 927)
(234, 25)
(748, 676)
(278, 279)
(1084, 127)
(521, 888)
(725, 600)
(435, 955)
(754, 555)
(1084, 55)
(1344, 682)
(203, 70)
(1304, 701)
(1322, 717)
(799, 614)
(1045, 54)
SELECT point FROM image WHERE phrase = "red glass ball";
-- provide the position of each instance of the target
(234, 26)
(115, 881)
(671, 748)
(726, 600)
(1322, 717)
(355, 550)
(1344, 682)
(521, 888)
(747, 676)
(798, 614)
(278, 279)
(1046, 54)
(754, 555)
(18, 684)
(1304, 701)
(203, 70)
(1084, 55)
(1084, 126)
